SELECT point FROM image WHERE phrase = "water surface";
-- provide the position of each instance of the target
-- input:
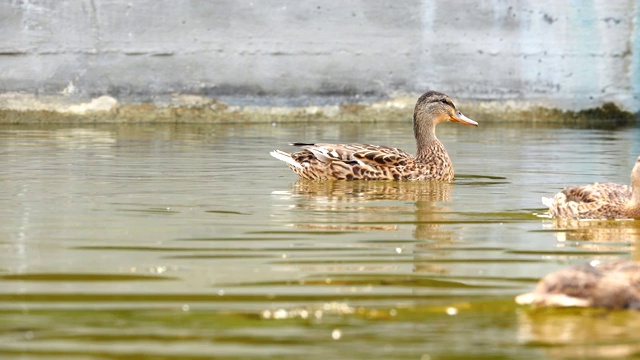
(190, 241)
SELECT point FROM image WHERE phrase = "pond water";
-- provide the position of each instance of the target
(191, 242)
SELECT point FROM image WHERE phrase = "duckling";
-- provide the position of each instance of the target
(613, 285)
(375, 162)
(599, 200)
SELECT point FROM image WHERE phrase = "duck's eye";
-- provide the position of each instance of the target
(444, 101)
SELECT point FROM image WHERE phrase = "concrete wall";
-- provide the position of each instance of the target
(567, 54)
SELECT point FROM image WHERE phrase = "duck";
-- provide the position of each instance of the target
(598, 200)
(610, 285)
(322, 161)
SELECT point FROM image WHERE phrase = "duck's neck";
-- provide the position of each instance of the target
(428, 144)
(633, 206)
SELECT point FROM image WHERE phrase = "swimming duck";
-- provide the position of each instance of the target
(598, 201)
(376, 162)
(613, 285)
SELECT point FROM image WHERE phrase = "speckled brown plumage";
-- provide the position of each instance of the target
(375, 162)
(599, 200)
(613, 285)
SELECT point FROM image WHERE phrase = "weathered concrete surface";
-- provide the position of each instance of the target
(566, 55)
(21, 109)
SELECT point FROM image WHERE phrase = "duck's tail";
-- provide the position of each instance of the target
(281, 155)
(547, 201)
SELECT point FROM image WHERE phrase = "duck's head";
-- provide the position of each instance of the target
(435, 108)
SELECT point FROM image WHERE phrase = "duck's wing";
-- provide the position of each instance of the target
(360, 154)
(627, 269)
(351, 162)
(607, 192)
(599, 200)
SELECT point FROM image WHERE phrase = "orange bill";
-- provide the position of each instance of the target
(460, 118)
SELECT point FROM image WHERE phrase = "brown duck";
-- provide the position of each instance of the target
(613, 285)
(599, 200)
(376, 162)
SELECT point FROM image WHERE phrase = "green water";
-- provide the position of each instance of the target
(191, 242)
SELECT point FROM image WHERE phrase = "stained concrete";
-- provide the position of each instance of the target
(531, 53)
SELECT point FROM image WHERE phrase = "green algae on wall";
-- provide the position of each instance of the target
(204, 110)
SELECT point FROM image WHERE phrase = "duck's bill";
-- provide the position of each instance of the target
(460, 118)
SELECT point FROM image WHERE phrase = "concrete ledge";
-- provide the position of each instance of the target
(18, 108)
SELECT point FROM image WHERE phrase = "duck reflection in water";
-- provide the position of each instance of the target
(595, 235)
(366, 206)
(573, 333)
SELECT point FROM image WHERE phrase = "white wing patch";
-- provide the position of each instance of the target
(323, 154)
